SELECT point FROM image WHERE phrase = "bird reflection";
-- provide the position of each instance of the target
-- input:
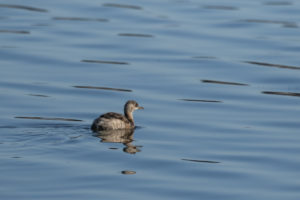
(124, 136)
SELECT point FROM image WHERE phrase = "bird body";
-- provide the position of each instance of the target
(116, 121)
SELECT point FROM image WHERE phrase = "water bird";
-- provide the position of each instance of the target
(116, 121)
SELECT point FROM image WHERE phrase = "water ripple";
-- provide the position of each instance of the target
(220, 7)
(15, 31)
(283, 23)
(29, 8)
(224, 82)
(201, 161)
(278, 3)
(105, 62)
(293, 94)
(38, 95)
(201, 100)
(102, 88)
(80, 19)
(135, 35)
(49, 118)
(123, 6)
(272, 65)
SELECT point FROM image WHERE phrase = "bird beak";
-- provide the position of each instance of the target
(140, 108)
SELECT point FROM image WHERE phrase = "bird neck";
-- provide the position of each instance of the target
(129, 116)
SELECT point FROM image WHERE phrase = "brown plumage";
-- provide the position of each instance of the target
(115, 121)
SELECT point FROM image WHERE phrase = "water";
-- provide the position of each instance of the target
(219, 82)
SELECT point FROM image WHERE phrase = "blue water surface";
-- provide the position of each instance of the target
(219, 82)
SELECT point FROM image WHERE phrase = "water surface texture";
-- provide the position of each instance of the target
(219, 81)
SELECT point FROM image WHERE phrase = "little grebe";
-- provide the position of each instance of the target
(115, 121)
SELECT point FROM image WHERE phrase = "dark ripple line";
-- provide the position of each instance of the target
(278, 3)
(103, 88)
(266, 21)
(220, 7)
(272, 65)
(224, 82)
(23, 7)
(122, 6)
(80, 19)
(204, 57)
(14, 31)
(135, 35)
(6, 46)
(49, 118)
(201, 100)
(201, 161)
(105, 62)
(284, 23)
(294, 94)
(8, 127)
(16, 157)
(38, 95)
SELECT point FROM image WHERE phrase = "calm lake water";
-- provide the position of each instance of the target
(219, 81)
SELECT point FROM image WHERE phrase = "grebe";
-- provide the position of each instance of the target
(115, 121)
